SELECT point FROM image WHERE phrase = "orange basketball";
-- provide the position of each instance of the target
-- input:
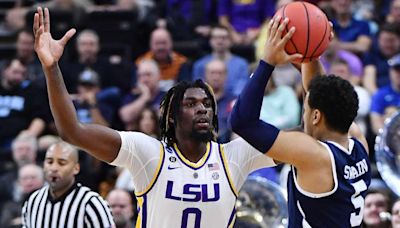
(311, 37)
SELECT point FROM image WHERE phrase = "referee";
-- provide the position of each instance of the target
(63, 202)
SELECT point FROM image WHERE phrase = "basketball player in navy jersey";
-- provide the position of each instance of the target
(185, 180)
(330, 171)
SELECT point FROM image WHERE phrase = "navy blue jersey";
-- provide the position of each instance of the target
(343, 206)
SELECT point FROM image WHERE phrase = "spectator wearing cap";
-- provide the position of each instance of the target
(89, 108)
(387, 99)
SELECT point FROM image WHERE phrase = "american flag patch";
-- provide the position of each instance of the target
(213, 166)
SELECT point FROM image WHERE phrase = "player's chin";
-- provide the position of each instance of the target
(202, 135)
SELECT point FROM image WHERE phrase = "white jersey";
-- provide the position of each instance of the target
(174, 192)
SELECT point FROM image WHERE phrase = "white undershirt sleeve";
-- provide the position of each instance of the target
(140, 154)
(243, 159)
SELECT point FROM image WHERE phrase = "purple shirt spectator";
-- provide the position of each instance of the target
(246, 14)
(354, 62)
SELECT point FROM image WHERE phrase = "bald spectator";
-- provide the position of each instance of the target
(30, 178)
(216, 76)
(19, 111)
(64, 201)
(173, 66)
(236, 66)
(121, 207)
(146, 93)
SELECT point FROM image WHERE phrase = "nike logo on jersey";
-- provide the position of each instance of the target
(173, 167)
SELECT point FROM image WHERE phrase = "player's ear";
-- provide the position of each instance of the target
(316, 116)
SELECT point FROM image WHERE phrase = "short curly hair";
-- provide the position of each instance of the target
(336, 99)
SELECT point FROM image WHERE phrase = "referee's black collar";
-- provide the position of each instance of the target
(63, 196)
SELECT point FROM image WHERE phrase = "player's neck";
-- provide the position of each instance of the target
(339, 138)
(192, 150)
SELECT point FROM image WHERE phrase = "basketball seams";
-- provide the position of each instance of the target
(320, 42)
(308, 31)
(287, 30)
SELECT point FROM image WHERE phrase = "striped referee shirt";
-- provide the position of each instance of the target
(79, 207)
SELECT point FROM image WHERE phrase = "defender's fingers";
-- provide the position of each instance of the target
(46, 20)
(41, 16)
(35, 23)
(64, 40)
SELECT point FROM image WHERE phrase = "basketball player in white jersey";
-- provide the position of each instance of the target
(187, 180)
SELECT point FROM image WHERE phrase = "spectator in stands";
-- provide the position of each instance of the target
(26, 54)
(216, 75)
(353, 61)
(244, 18)
(387, 97)
(341, 68)
(24, 151)
(237, 67)
(280, 106)
(352, 34)
(24, 106)
(88, 48)
(173, 66)
(147, 122)
(30, 178)
(89, 108)
(145, 93)
(120, 202)
(375, 203)
(396, 214)
(376, 71)
(394, 14)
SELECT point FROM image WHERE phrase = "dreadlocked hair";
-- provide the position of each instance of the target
(171, 104)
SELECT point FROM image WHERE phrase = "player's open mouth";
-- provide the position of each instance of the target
(202, 122)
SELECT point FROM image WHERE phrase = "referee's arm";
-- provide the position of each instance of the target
(98, 213)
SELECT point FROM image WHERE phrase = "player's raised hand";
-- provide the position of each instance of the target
(48, 49)
(275, 53)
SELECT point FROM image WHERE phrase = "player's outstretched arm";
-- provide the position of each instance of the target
(102, 142)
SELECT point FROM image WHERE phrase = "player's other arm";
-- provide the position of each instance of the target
(291, 147)
(102, 142)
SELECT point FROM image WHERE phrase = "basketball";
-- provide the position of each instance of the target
(312, 34)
